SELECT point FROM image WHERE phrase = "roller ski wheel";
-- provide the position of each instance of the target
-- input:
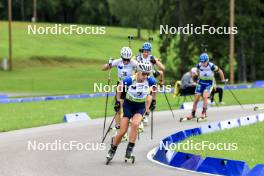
(110, 155)
(108, 161)
(130, 159)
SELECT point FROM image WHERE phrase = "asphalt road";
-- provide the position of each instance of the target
(18, 159)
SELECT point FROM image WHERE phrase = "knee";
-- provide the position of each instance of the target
(135, 124)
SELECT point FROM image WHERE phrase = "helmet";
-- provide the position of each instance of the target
(147, 46)
(145, 67)
(204, 57)
(126, 53)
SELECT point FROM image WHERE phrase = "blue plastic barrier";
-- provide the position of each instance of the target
(15, 100)
(178, 137)
(76, 117)
(4, 101)
(3, 96)
(186, 161)
(60, 97)
(236, 87)
(223, 167)
(258, 170)
(212, 127)
(26, 100)
(258, 84)
(192, 132)
(50, 98)
(160, 155)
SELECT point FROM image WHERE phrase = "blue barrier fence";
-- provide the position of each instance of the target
(210, 165)
(4, 98)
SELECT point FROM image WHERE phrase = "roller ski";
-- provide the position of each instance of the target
(256, 108)
(188, 118)
(110, 154)
(202, 118)
(129, 157)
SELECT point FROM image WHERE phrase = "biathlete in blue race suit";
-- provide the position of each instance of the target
(137, 88)
(206, 72)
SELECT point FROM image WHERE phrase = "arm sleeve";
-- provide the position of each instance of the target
(214, 67)
(115, 62)
(152, 81)
(127, 81)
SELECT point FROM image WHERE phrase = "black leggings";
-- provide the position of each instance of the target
(218, 90)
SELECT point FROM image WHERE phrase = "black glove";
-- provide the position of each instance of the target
(152, 105)
(117, 106)
(152, 60)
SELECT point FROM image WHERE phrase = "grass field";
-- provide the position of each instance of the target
(61, 64)
(248, 141)
(96, 47)
(26, 115)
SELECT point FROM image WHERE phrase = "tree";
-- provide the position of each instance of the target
(139, 14)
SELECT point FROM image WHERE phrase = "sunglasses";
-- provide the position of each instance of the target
(126, 60)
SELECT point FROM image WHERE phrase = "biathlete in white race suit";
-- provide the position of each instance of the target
(137, 88)
(145, 55)
(125, 67)
(206, 72)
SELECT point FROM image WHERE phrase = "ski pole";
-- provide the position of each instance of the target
(106, 101)
(109, 127)
(233, 94)
(168, 103)
(151, 133)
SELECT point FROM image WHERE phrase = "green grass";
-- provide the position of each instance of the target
(58, 78)
(98, 47)
(26, 115)
(61, 64)
(247, 140)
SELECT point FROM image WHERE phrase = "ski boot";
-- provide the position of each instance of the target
(129, 157)
(110, 154)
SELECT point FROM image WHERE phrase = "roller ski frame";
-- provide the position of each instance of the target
(109, 157)
(201, 119)
(256, 108)
(184, 119)
(131, 159)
